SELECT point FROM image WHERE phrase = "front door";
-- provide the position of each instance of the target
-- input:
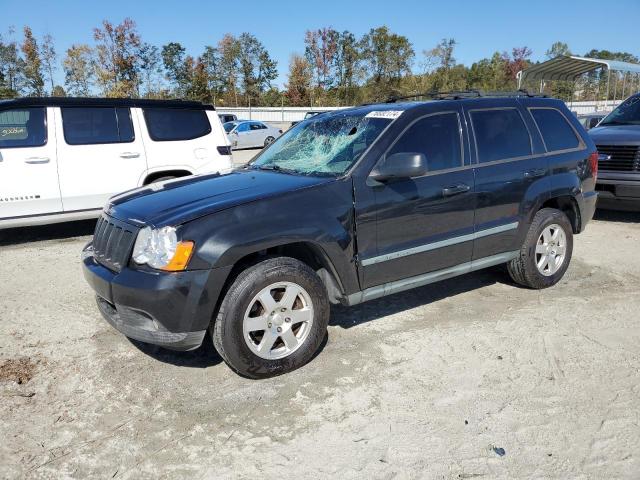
(424, 224)
(101, 153)
(28, 163)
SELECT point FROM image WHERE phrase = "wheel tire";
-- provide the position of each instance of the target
(524, 269)
(227, 330)
(268, 141)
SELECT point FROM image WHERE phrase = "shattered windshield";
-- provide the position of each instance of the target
(327, 146)
(627, 113)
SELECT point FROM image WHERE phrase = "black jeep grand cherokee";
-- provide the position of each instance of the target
(348, 207)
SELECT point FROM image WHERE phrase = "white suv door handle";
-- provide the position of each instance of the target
(36, 160)
(129, 155)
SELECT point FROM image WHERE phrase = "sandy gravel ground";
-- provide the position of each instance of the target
(431, 383)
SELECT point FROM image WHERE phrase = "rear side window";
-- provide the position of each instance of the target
(170, 124)
(97, 125)
(438, 137)
(258, 126)
(554, 128)
(500, 134)
(23, 127)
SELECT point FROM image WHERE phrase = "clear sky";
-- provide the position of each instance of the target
(480, 27)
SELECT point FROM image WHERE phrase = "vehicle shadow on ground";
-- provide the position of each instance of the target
(617, 216)
(56, 231)
(202, 357)
(348, 317)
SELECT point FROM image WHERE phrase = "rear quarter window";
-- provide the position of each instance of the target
(173, 124)
(500, 134)
(555, 129)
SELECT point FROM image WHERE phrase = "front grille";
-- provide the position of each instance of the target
(112, 242)
(624, 158)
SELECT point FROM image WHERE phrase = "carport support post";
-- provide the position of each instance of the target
(541, 85)
(606, 99)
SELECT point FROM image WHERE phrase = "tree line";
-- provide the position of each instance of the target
(335, 68)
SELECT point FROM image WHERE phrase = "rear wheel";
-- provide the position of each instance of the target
(546, 251)
(268, 141)
(272, 319)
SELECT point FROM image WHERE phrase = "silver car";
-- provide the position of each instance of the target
(250, 133)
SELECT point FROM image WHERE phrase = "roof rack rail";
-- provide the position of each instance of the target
(460, 94)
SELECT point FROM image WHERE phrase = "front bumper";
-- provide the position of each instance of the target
(172, 310)
(617, 193)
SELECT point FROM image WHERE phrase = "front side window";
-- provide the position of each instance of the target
(437, 137)
(97, 125)
(326, 146)
(556, 131)
(229, 126)
(23, 127)
(501, 134)
(171, 124)
(243, 127)
(627, 113)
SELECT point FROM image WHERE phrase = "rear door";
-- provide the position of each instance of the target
(510, 175)
(28, 163)
(100, 154)
(259, 133)
(424, 224)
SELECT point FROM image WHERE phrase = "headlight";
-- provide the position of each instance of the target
(160, 248)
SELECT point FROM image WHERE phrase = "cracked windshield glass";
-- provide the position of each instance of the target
(323, 146)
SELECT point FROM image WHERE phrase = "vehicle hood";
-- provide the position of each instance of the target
(616, 134)
(175, 202)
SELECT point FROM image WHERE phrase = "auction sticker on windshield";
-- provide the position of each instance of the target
(391, 114)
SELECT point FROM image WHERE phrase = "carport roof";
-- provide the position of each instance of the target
(569, 67)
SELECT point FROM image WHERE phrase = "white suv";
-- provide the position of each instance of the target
(62, 158)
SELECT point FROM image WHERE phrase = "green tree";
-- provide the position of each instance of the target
(387, 56)
(58, 91)
(79, 70)
(117, 50)
(557, 49)
(347, 60)
(32, 68)
(298, 87)
(321, 49)
(11, 66)
(150, 67)
(257, 68)
(176, 68)
(49, 58)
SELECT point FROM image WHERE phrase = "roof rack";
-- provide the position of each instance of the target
(460, 94)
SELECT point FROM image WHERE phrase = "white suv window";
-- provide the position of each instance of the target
(23, 127)
(170, 124)
(97, 125)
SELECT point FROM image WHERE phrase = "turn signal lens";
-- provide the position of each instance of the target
(180, 258)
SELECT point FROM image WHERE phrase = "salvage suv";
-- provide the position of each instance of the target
(347, 207)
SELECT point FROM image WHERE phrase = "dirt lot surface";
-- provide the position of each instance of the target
(472, 377)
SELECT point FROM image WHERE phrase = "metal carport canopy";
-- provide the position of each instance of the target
(569, 67)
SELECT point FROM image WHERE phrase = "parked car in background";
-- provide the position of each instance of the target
(591, 120)
(227, 117)
(62, 158)
(307, 116)
(617, 138)
(250, 133)
(346, 207)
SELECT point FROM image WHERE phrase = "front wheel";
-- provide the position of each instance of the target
(546, 251)
(272, 319)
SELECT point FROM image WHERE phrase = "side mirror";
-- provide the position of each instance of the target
(400, 165)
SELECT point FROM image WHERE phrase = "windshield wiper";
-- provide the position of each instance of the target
(276, 168)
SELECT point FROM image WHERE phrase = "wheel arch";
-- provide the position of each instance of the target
(178, 172)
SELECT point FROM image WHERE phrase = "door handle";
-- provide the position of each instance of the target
(455, 189)
(36, 160)
(129, 155)
(535, 172)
